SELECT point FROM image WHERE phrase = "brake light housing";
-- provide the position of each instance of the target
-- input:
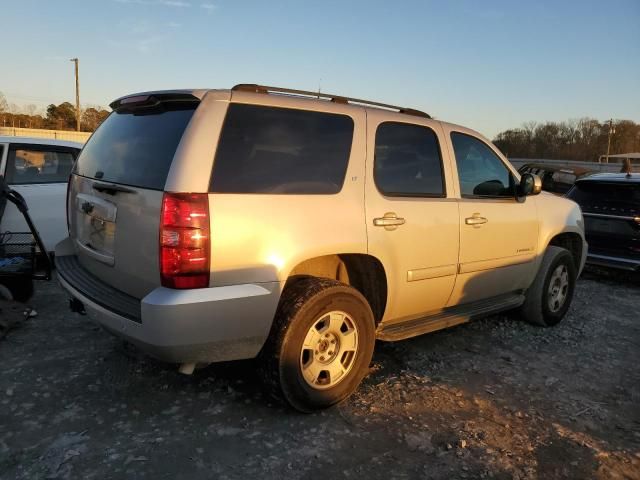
(66, 204)
(184, 240)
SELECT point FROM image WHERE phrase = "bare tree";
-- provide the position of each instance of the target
(581, 139)
(4, 106)
(30, 109)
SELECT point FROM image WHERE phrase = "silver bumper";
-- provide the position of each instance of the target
(191, 326)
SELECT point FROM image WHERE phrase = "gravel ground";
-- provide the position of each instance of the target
(495, 398)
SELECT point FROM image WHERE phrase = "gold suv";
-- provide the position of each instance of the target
(299, 227)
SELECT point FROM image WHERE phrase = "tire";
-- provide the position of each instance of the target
(5, 293)
(21, 288)
(542, 307)
(296, 373)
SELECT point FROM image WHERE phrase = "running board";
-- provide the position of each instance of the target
(448, 317)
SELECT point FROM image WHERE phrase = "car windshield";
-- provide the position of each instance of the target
(591, 193)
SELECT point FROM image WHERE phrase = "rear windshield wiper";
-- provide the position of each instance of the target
(111, 188)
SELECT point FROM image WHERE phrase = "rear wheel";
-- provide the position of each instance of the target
(321, 343)
(549, 297)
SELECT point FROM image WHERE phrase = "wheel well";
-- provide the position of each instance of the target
(571, 242)
(363, 272)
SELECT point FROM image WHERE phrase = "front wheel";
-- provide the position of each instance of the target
(320, 345)
(549, 297)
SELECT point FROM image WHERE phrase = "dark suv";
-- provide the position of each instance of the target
(611, 206)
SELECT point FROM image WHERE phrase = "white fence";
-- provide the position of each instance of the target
(80, 137)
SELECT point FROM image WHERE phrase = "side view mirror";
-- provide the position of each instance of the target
(530, 184)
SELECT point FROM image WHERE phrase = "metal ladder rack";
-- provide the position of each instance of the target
(254, 88)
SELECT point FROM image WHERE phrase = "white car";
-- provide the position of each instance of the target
(38, 169)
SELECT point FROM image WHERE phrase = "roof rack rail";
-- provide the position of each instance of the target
(252, 87)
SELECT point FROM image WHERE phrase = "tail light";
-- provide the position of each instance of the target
(66, 209)
(184, 240)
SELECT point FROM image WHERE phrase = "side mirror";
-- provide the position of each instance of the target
(530, 184)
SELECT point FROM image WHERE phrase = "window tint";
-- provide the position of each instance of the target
(481, 172)
(600, 196)
(407, 160)
(281, 151)
(27, 165)
(135, 148)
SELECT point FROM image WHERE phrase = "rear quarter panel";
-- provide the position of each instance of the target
(262, 237)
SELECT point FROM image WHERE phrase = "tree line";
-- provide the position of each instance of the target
(55, 117)
(584, 139)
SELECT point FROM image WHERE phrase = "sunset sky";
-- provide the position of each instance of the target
(488, 65)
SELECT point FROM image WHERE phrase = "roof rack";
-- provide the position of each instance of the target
(252, 87)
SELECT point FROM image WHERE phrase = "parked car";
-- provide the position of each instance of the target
(38, 169)
(610, 203)
(555, 179)
(213, 225)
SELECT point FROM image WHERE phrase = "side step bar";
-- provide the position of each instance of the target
(448, 317)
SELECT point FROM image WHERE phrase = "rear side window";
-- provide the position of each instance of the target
(135, 148)
(407, 161)
(34, 164)
(281, 151)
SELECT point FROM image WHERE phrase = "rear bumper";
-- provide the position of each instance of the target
(189, 326)
(623, 263)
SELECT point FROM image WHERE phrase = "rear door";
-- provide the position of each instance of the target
(412, 220)
(117, 187)
(40, 174)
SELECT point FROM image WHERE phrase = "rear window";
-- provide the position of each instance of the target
(595, 195)
(281, 151)
(39, 164)
(135, 148)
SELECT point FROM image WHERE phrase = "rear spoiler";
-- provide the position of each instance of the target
(146, 101)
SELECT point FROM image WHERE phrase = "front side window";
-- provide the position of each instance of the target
(481, 172)
(281, 151)
(27, 165)
(407, 161)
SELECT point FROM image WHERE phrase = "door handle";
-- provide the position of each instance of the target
(390, 221)
(475, 219)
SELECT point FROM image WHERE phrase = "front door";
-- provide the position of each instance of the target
(412, 225)
(498, 233)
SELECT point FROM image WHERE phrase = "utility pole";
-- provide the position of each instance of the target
(75, 60)
(612, 130)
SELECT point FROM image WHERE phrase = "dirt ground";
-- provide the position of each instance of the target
(495, 398)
